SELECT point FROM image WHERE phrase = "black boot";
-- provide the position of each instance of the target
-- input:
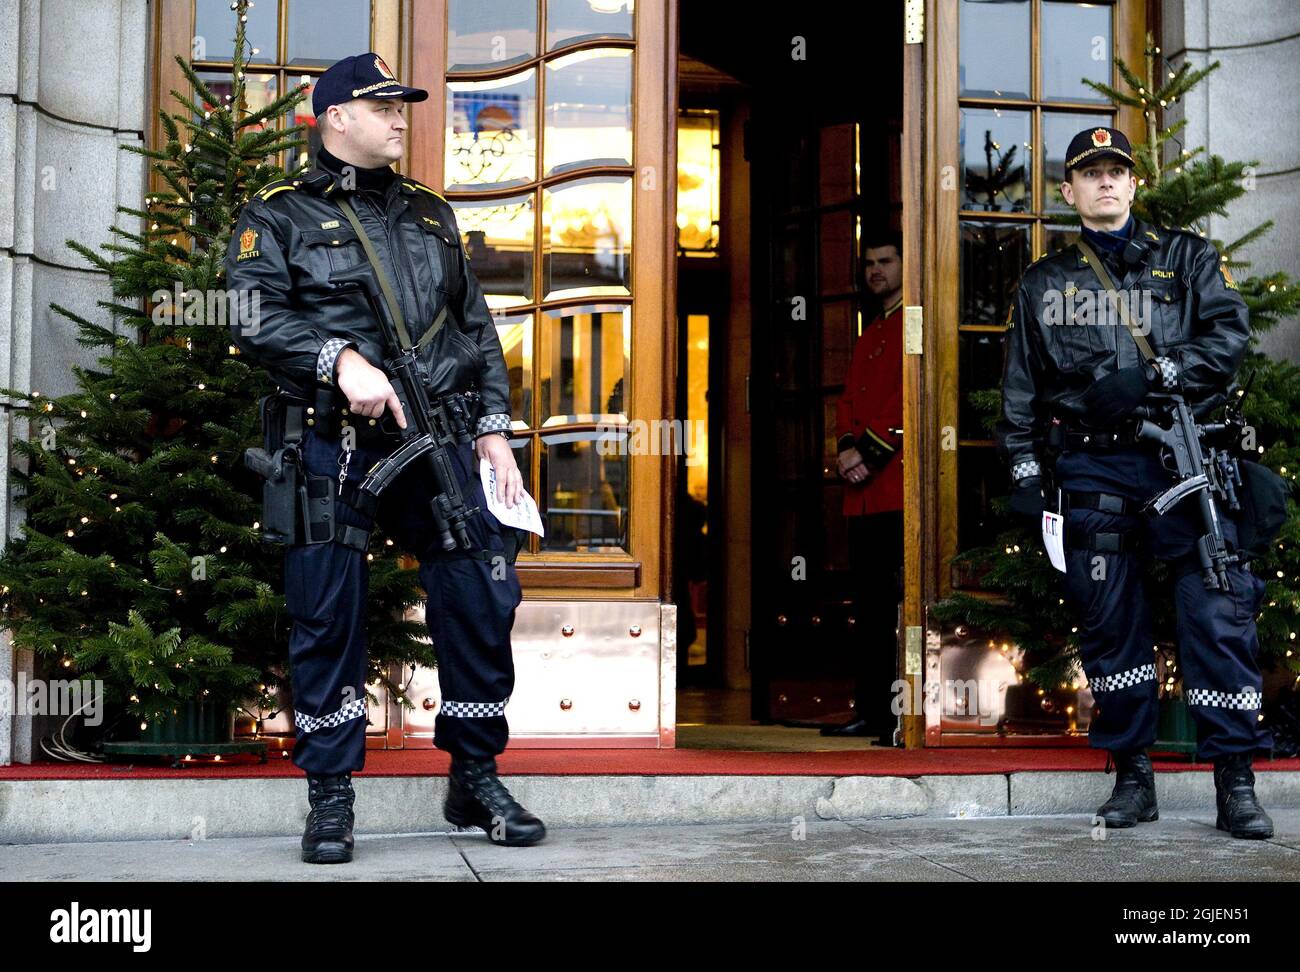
(1133, 800)
(476, 797)
(328, 837)
(1234, 790)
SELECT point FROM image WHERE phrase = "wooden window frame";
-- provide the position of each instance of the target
(411, 36)
(640, 572)
(939, 225)
(173, 33)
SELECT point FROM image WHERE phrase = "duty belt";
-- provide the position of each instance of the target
(1076, 438)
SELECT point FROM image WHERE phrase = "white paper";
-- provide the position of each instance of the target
(1054, 538)
(523, 515)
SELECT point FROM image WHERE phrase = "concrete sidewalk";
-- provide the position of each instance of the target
(58, 811)
(1178, 847)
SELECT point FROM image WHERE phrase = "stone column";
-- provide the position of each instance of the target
(74, 86)
(1248, 109)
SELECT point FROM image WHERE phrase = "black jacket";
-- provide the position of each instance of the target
(292, 235)
(1198, 323)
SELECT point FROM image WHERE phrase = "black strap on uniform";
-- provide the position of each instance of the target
(293, 421)
(1102, 542)
(352, 536)
(1102, 502)
(394, 305)
(1090, 257)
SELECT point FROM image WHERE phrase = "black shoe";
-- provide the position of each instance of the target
(858, 727)
(328, 837)
(1133, 800)
(1234, 791)
(476, 797)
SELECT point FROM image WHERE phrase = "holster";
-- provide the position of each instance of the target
(298, 507)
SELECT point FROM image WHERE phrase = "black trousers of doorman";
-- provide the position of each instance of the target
(1217, 642)
(469, 612)
(876, 565)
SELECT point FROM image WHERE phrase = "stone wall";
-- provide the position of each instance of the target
(1248, 109)
(74, 87)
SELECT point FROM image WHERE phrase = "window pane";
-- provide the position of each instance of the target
(584, 491)
(839, 334)
(574, 21)
(1075, 44)
(525, 450)
(981, 477)
(487, 34)
(699, 182)
(584, 362)
(516, 334)
(792, 271)
(994, 49)
(994, 147)
(993, 256)
(836, 258)
(259, 91)
(837, 172)
(980, 369)
(588, 110)
(1057, 238)
(587, 238)
(1058, 129)
(498, 238)
(302, 116)
(492, 132)
(214, 30)
(323, 31)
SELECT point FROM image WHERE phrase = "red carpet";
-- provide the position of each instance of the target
(650, 762)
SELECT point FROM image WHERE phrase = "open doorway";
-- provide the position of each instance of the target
(783, 169)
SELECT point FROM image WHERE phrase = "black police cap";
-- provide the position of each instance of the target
(1095, 143)
(360, 76)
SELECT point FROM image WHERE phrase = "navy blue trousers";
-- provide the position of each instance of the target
(1217, 643)
(469, 613)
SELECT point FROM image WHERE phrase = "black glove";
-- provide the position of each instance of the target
(1116, 396)
(1027, 498)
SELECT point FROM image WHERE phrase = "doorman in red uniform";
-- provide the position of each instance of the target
(869, 424)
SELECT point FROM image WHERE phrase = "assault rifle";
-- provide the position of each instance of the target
(431, 426)
(1205, 471)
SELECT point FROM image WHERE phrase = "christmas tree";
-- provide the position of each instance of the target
(1176, 188)
(139, 561)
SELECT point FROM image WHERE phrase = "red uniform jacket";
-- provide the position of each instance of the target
(870, 414)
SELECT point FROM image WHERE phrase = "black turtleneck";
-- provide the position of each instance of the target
(371, 180)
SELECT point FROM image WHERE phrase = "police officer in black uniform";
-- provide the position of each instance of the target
(1084, 385)
(323, 346)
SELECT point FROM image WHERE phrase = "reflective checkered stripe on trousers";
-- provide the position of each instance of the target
(472, 710)
(355, 709)
(1245, 699)
(1134, 676)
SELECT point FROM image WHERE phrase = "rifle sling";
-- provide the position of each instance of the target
(1090, 257)
(394, 306)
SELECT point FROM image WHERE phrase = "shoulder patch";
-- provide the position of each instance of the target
(248, 245)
